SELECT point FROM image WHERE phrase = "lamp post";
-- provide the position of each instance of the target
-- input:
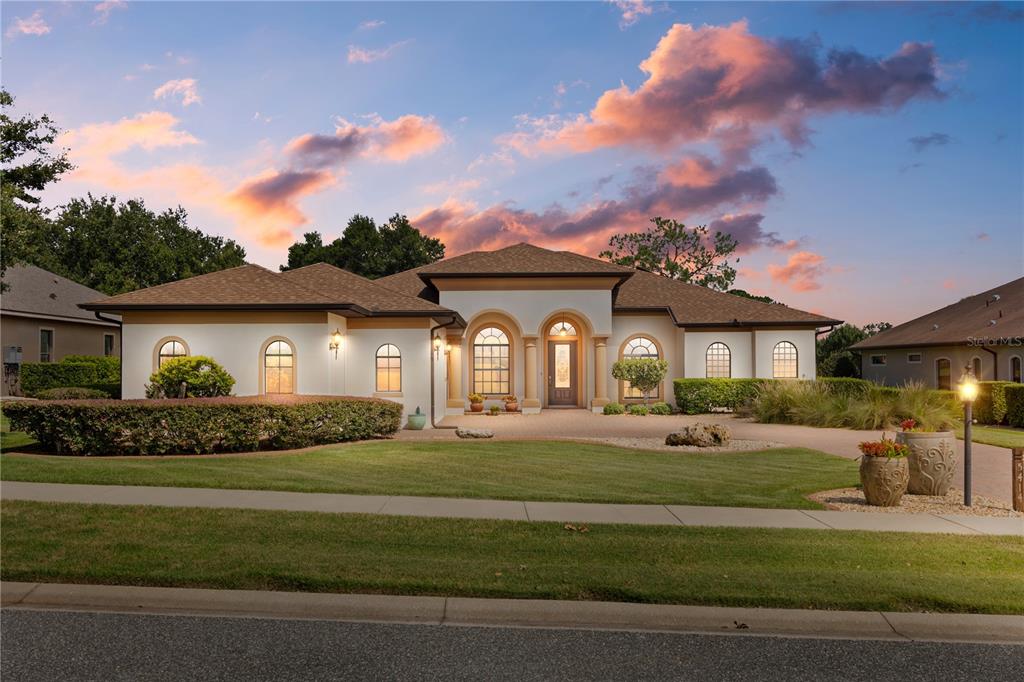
(968, 390)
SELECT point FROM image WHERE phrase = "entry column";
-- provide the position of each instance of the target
(600, 373)
(456, 395)
(531, 401)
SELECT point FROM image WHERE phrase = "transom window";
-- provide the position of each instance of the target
(279, 367)
(170, 351)
(562, 328)
(784, 360)
(718, 361)
(640, 347)
(389, 369)
(491, 366)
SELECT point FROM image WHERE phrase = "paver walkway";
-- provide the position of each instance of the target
(639, 514)
(991, 468)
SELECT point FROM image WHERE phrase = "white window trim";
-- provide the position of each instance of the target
(883, 363)
(401, 371)
(53, 343)
(920, 359)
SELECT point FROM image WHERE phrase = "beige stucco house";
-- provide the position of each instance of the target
(543, 325)
(41, 321)
(984, 332)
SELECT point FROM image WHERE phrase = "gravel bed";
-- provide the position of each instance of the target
(659, 444)
(852, 499)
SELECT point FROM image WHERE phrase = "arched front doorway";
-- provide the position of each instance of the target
(565, 363)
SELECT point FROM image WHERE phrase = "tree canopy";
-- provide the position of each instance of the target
(670, 248)
(834, 357)
(368, 250)
(743, 293)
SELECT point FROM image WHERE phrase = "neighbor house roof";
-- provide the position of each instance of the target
(40, 293)
(996, 313)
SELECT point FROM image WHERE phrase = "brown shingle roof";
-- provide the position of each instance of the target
(519, 260)
(34, 291)
(693, 305)
(348, 287)
(956, 323)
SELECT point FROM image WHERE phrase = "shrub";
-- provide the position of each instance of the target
(108, 367)
(661, 408)
(202, 376)
(74, 371)
(1015, 405)
(476, 398)
(697, 396)
(71, 393)
(638, 410)
(201, 425)
(847, 386)
(990, 405)
(643, 374)
(614, 408)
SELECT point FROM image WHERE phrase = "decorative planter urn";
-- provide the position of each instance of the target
(417, 421)
(512, 407)
(932, 461)
(476, 407)
(884, 479)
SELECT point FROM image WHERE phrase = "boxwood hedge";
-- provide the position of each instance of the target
(1015, 405)
(201, 425)
(79, 371)
(698, 396)
(990, 405)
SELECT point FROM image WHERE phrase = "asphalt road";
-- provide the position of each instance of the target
(63, 645)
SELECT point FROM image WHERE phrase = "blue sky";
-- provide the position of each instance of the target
(875, 182)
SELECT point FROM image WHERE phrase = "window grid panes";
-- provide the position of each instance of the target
(943, 375)
(784, 361)
(491, 362)
(169, 351)
(279, 368)
(718, 361)
(45, 345)
(640, 347)
(389, 369)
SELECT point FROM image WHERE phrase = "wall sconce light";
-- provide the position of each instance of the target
(437, 346)
(335, 343)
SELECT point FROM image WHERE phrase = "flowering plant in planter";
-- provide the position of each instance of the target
(476, 402)
(909, 425)
(883, 448)
(884, 472)
(511, 403)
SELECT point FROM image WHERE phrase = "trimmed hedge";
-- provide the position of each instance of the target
(201, 425)
(1015, 405)
(71, 393)
(990, 405)
(74, 371)
(698, 396)
(638, 410)
(661, 408)
(614, 408)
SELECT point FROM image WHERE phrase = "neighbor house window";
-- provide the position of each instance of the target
(491, 364)
(784, 361)
(45, 345)
(169, 351)
(108, 344)
(943, 374)
(389, 369)
(914, 358)
(976, 368)
(639, 347)
(878, 360)
(1015, 369)
(279, 368)
(718, 361)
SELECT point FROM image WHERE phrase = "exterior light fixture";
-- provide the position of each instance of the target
(968, 390)
(437, 346)
(562, 329)
(335, 343)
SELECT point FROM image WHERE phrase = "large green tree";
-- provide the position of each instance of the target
(368, 250)
(670, 248)
(834, 357)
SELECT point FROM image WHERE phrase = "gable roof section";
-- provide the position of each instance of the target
(691, 305)
(367, 293)
(34, 291)
(956, 323)
(521, 260)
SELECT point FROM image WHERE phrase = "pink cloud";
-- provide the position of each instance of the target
(94, 144)
(631, 10)
(186, 88)
(949, 284)
(397, 140)
(801, 272)
(103, 10)
(35, 25)
(269, 203)
(362, 55)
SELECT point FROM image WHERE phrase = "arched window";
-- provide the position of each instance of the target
(943, 374)
(279, 368)
(169, 351)
(562, 328)
(976, 367)
(718, 361)
(784, 361)
(491, 365)
(389, 369)
(1015, 369)
(639, 347)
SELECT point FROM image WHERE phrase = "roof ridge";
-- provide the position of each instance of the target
(164, 285)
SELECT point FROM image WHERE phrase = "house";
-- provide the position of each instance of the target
(41, 321)
(543, 325)
(984, 332)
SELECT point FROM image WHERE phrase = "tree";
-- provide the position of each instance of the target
(834, 357)
(368, 251)
(670, 248)
(643, 374)
(742, 293)
(27, 166)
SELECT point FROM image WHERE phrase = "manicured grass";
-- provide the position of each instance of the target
(243, 549)
(1000, 436)
(12, 439)
(534, 470)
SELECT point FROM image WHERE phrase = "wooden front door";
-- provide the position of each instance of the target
(562, 374)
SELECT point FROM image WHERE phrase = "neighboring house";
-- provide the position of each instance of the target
(543, 325)
(41, 321)
(984, 332)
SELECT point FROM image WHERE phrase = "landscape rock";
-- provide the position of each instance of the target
(463, 432)
(700, 435)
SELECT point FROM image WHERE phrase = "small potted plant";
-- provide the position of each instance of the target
(494, 411)
(931, 458)
(418, 420)
(511, 403)
(884, 472)
(476, 402)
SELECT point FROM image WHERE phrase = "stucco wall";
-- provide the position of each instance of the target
(360, 364)
(898, 370)
(803, 339)
(531, 307)
(662, 330)
(739, 343)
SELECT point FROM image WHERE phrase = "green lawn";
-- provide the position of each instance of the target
(12, 439)
(1001, 436)
(245, 549)
(534, 470)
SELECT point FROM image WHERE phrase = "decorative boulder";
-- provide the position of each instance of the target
(700, 435)
(462, 432)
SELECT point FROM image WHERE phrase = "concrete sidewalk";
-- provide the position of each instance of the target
(518, 613)
(638, 514)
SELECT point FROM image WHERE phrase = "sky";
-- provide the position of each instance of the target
(869, 158)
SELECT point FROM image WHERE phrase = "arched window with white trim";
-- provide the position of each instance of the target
(785, 363)
(389, 369)
(279, 368)
(639, 347)
(491, 362)
(718, 361)
(171, 350)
